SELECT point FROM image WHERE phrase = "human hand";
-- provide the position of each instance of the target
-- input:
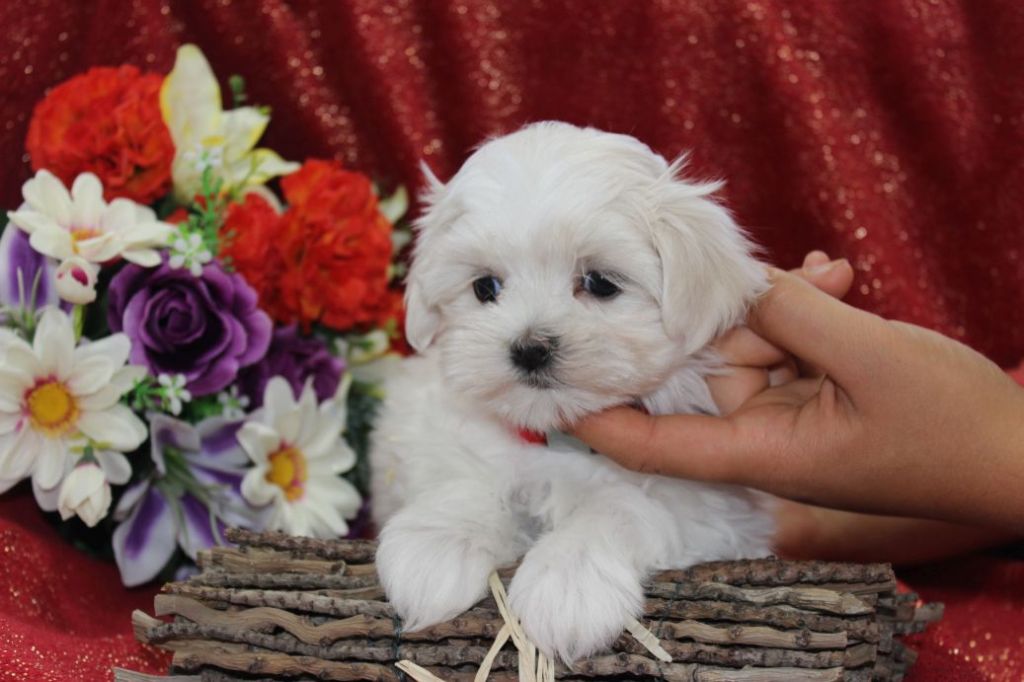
(903, 420)
(808, 532)
(753, 362)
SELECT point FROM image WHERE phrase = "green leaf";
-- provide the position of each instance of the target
(166, 206)
(202, 408)
(362, 411)
(394, 206)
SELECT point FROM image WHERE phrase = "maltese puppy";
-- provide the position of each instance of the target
(560, 272)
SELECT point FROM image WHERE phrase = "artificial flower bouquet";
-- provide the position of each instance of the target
(180, 349)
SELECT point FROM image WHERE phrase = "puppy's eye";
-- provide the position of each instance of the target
(487, 288)
(599, 286)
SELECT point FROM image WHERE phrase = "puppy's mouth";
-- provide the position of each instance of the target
(539, 381)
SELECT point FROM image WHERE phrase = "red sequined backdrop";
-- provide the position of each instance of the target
(887, 132)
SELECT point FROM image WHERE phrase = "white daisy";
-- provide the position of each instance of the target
(55, 398)
(299, 453)
(82, 223)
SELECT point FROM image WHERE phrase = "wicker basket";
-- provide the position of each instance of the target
(280, 607)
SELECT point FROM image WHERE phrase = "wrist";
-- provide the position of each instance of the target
(996, 468)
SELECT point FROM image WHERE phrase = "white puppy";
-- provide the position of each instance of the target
(560, 272)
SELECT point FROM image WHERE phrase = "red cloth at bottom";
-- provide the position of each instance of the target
(981, 636)
(65, 616)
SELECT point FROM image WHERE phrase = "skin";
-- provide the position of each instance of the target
(890, 441)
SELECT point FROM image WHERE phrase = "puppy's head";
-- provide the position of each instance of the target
(565, 270)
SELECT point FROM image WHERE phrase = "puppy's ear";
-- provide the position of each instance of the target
(709, 273)
(422, 313)
(434, 187)
(422, 318)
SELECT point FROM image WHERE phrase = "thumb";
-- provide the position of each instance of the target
(833, 277)
(814, 326)
(686, 446)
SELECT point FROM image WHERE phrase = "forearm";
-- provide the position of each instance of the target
(1000, 492)
(977, 474)
(807, 532)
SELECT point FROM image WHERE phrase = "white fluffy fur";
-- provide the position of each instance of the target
(456, 492)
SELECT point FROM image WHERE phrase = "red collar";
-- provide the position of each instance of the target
(532, 437)
(538, 438)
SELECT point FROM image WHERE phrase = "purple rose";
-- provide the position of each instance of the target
(206, 327)
(296, 358)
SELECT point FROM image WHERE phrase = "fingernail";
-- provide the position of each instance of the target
(816, 257)
(823, 268)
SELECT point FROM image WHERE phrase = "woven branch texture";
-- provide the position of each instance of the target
(283, 608)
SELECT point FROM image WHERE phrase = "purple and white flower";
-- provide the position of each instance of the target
(193, 493)
(21, 269)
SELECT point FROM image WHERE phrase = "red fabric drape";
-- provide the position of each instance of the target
(887, 132)
(64, 616)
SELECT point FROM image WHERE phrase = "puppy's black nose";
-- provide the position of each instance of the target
(532, 355)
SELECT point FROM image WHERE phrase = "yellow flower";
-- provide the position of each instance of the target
(206, 136)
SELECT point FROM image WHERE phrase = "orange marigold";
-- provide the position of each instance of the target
(250, 239)
(106, 121)
(325, 259)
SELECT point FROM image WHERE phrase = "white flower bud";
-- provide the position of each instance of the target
(76, 280)
(85, 492)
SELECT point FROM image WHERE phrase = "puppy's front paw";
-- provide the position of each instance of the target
(574, 603)
(429, 575)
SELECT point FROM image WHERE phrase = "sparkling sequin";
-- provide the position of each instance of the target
(981, 636)
(853, 130)
(63, 614)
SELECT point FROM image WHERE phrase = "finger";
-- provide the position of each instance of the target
(833, 277)
(687, 446)
(814, 258)
(784, 373)
(807, 369)
(741, 346)
(815, 327)
(736, 386)
(792, 394)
